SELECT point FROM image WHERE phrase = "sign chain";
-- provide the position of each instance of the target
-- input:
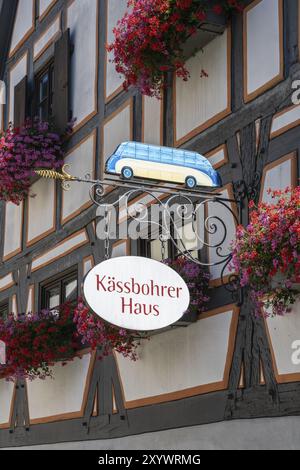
(106, 233)
(163, 247)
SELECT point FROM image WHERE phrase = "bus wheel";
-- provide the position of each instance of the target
(190, 182)
(127, 173)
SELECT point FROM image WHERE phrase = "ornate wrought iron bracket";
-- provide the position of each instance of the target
(242, 190)
(214, 237)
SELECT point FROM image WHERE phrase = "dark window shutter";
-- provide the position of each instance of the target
(20, 102)
(61, 82)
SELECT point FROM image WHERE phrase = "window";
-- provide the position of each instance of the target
(58, 290)
(153, 249)
(187, 240)
(44, 93)
(4, 309)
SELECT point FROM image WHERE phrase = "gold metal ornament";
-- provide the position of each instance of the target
(52, 174)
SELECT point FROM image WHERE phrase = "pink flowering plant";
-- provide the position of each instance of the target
(149, 39)
(35, 342)
(266, 253)
(97, 333)
(196, 279)
(22, 150)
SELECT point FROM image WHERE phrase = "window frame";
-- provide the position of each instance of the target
(4, 304)
(60, 280)
(144, 247)
(47, 68)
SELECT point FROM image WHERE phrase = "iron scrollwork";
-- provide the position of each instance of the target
(242, 190)
(212, 242)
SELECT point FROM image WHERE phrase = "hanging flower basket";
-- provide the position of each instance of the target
(197, 281)
(280, 279)
(267, 253)
(35, 342)
(96, 332)
(150, 38)
(22, 150)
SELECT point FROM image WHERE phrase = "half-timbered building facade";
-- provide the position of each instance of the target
(223, 365)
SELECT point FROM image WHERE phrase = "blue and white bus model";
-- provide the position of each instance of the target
(134, 159)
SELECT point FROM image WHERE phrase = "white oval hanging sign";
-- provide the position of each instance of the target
(136, 293)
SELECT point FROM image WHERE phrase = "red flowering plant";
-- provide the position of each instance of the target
(149, 38)
(35, 342)
(266, 253)
(96, 332)
(196, 279)
(22, 150)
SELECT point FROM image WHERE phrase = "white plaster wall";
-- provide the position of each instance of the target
(42, 202)
(63, 394)
(116, 130)
(6, 281)
(115, 11)
(152, 116)
(263, 44)
(178, 359)
(82, 162)
(278, 177)
(201, 99)
(47, 37)
(1, 117)
(60, 249)
(87, 265)
(82, 19)
(218, 158)
(289, 117)
(44, 4)
(23, 22)
(120, 249)
(284, 331)
(6, 394)
(30, 299)
(14, 305)
(17, 73)
(13, 227)
(218, 210)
